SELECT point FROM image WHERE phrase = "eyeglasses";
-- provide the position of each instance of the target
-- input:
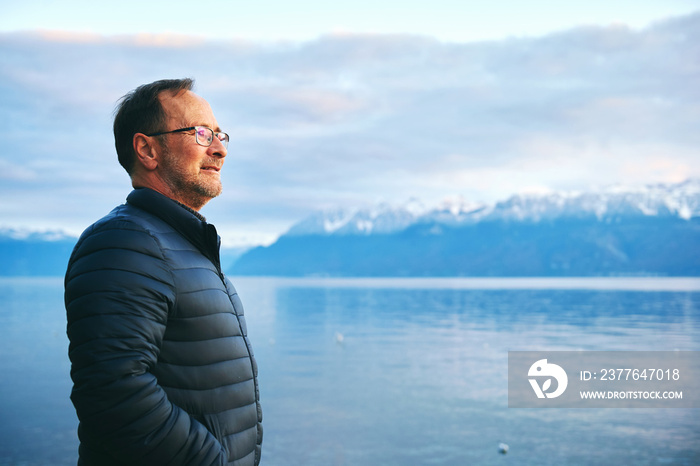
(203, 135)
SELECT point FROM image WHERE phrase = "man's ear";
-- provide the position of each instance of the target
(147, 151)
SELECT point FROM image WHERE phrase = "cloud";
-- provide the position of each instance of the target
(350, 119)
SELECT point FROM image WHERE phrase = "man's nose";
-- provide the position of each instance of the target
(219, 148)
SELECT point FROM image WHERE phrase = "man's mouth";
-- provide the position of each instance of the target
(211, 168)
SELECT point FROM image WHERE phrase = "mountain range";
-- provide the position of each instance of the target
(648, 230)
(31, 253)
(46, 253)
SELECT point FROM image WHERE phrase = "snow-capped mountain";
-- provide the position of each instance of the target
(680, 200)
(34, 253)
(651, 230)
(380, 219)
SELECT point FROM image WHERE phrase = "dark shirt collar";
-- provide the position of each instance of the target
(192, 211)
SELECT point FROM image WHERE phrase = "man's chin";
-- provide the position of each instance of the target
(211, 190)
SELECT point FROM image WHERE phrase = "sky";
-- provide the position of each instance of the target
(347, 104)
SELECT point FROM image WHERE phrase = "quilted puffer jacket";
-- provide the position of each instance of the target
(162, 368)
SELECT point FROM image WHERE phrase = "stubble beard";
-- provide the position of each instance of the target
(193, 190)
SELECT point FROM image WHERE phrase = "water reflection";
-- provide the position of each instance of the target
(420, 376)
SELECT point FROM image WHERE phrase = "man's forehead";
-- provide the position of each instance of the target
(185, 105)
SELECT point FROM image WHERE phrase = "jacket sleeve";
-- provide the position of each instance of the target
(118, 292)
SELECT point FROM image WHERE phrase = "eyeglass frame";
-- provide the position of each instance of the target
(190, 128)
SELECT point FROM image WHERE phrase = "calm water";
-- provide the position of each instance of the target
(392, 372)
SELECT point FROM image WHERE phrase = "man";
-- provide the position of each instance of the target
(162, 368)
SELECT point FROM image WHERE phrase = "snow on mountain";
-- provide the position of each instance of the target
(456, 210)
(322, 222)
(382, 218)
(679, 200)
(32, 235)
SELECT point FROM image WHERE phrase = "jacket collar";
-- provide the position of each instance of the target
(184, 220)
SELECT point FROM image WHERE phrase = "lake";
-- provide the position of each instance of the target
(392, 371)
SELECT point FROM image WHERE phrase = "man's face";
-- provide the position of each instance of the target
(191, 171)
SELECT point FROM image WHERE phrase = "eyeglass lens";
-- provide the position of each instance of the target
(205, 136)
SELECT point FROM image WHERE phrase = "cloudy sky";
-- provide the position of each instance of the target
(351, 103)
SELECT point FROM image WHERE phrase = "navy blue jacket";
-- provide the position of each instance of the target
(162, 368)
